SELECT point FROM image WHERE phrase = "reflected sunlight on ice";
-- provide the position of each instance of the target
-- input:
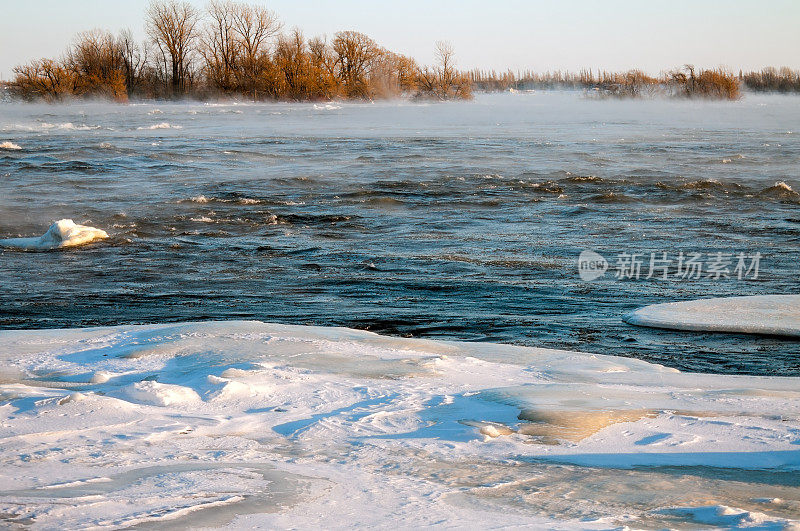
(251, 423)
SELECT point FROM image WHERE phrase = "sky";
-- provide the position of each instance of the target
(652, 35)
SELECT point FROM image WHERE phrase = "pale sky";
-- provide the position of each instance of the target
(654, 35)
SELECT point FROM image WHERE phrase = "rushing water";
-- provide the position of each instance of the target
(457, 220)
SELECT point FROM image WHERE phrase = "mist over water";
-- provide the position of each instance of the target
(458, 220)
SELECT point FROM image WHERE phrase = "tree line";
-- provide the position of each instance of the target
(683, 82)
(238, 49)
(233, 49)
(687, 81)
(772, 80)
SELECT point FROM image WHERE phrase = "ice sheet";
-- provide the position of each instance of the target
(759, 314)
(252, 424)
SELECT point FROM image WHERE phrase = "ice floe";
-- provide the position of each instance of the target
(251, 424)
(62, 233)
(758, 314)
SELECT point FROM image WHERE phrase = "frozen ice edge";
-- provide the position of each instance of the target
(375, 421)
(757, 314)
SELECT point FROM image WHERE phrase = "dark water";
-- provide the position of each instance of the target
(459, 221)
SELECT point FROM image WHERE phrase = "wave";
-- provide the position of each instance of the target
(584, 179)
(18, 127)
(66, 166)
(202, 199)
(612, 197)
(9, 145)
(384, 201)
(314, 219)
(701, 184)
(162, 125)
(705, 184)
(781, 191)
(33, 128)
(252, 156)
(549, 187)
(264, 218)
(728, 160)
(69, 126)
(62, 233)
(270, 218)
(781, 185)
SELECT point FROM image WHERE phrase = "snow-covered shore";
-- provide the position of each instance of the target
(250, 424)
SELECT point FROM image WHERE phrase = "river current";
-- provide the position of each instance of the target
(454, 220)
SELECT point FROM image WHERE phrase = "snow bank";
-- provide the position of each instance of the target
(62, 233)
(759, 314)
(261, 425)
(159, 394)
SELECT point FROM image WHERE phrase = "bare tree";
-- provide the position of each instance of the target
(237, 48)
(43, 78)
(255, 27)
(322, 55)
(221, 48)
(97, 62)
(172, 26)
(445, 56)
(292, 61)
(407, 73)
(323, 68)
(355, 53)
(134, 59)
(445, 81)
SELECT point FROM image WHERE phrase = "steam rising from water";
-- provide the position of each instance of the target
(457, 220)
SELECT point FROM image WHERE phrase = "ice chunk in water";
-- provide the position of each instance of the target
(759, 314)
(62, 233)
